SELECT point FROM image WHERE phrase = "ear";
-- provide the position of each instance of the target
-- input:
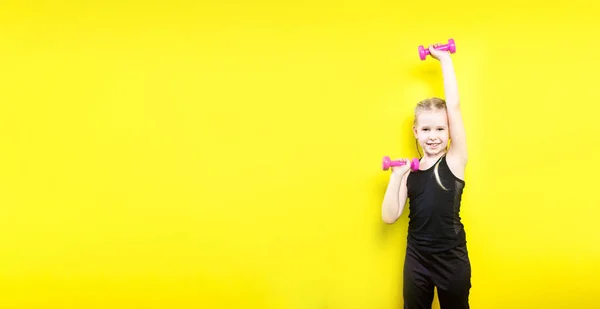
(415, 132)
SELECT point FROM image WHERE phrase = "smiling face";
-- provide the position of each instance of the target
(431, 130)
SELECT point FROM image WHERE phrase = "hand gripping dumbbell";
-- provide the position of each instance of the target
(387, 163)
(451, 47)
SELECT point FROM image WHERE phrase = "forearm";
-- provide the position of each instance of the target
(450, 83)
(390, 208)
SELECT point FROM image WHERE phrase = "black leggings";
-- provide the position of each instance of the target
(449, 271)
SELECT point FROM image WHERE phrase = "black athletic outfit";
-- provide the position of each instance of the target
(436, 254)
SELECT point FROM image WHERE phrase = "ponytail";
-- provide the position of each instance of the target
(435, 170)
(437, 176)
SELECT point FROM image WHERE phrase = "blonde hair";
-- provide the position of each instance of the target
(431, 104)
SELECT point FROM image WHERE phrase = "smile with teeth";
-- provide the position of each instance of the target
(432, 144)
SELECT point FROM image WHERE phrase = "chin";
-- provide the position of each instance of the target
(430, 153)
(434, 151)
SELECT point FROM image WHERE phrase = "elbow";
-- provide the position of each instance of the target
(391, 211)
(387, 219)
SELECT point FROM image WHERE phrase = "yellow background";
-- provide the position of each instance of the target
(226, 154)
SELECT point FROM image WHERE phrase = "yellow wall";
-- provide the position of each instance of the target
(182, 155)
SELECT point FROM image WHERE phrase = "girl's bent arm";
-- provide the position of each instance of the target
(395, 198)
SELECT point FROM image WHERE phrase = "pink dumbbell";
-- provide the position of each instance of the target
(387, 163)
(451, 46)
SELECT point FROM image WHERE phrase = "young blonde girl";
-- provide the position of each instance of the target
(436, 254)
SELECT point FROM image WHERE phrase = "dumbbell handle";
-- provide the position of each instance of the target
(387, 163)
(441, 47)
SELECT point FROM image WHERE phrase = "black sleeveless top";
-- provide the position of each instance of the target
(434, 220)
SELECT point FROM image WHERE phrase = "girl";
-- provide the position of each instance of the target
(436, 254)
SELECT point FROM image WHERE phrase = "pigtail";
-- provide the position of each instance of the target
(437, 175)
